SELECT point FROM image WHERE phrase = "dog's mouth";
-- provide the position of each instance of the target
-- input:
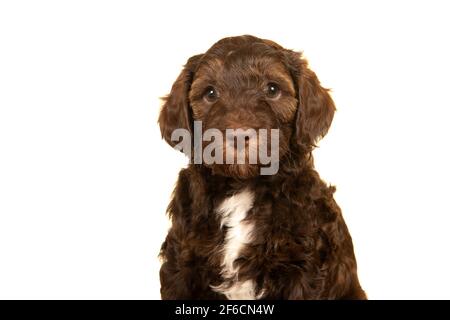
(243, 154)
(237, 171)
(241, 151)
(235, 152)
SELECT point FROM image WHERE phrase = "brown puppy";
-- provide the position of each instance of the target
(236, 233)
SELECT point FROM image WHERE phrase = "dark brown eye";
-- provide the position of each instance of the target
(273, 91)
(210, 94)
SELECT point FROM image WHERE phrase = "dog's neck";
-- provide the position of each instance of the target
(291, 167)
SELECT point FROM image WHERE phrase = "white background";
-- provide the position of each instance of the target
(85, 178)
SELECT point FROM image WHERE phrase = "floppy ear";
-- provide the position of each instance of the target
(176, 112)
(316, 108)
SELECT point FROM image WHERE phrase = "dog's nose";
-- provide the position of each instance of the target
(241, 134)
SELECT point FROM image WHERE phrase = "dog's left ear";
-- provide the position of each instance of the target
(176, 111)
(316, 107)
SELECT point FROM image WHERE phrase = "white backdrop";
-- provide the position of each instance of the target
(85, 178)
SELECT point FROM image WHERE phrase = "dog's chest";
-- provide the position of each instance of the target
(238, 233)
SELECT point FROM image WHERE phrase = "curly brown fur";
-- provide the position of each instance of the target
(300, 247)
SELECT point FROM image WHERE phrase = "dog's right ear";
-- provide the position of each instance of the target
(176, 111)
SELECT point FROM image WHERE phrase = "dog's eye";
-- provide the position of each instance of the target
(273, 91)
(210, 94)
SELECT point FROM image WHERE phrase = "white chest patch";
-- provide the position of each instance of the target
(233, 211)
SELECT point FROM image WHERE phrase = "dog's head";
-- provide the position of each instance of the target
(249, 83)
